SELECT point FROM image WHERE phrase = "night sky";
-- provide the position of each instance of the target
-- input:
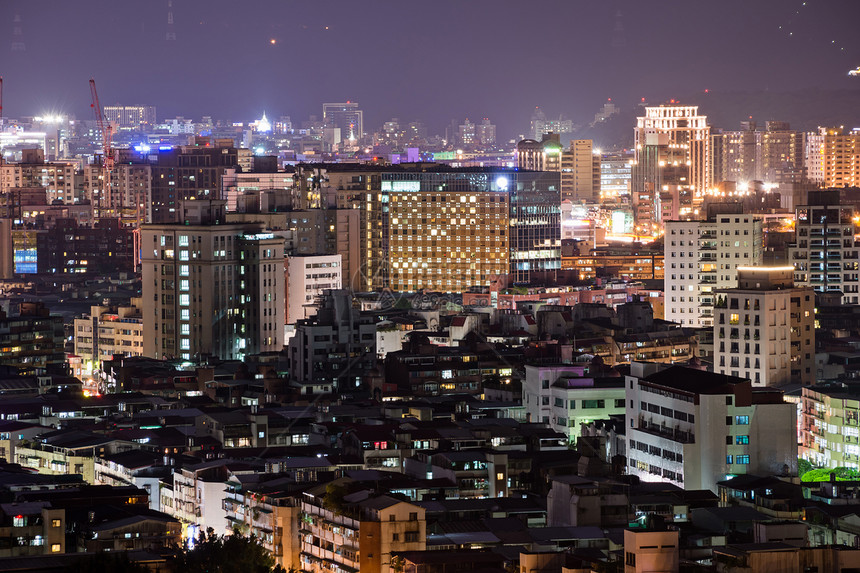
(434, 60)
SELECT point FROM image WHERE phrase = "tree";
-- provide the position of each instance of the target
(235, 553)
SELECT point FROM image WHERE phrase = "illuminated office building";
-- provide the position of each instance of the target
(449, 229)
(130, 117)
(347, 117)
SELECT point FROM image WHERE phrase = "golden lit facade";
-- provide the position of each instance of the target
(627, 267)
(833, 157)
(448, 241)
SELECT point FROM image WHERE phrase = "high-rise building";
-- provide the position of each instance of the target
(210, 287)
(467, 133)
(701, 256)
(580, 172)
(348, 118)
(486, 133)
(764, 329)
(56, 178)
(189, 172)
(505, 219)
(543, 155)
(824, 252)
(830, 414)
(541, 126)
(693, 428)
(131, 117)
(833, 157)
(615, 176)
(671, 163)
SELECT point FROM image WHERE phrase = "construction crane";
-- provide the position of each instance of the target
(107, 160)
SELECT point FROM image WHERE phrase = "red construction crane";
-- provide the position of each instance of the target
(107, 136)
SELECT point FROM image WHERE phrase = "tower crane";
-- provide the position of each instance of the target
(107, 157)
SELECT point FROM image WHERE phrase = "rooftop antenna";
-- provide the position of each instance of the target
(171, 32)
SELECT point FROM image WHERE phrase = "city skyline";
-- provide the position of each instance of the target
(457, 60)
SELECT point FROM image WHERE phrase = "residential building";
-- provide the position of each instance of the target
(333, 350)
(567, 396)
(649, 550)
(701, 256)
(131, 117)
(57, 179)
(107, 332)
(675, 435)
(764, 329)
(580, 172)
(833, 157)
(36, 528)
(824, 252)
(357, 532)
(306, 279)
(829, 419)
(543, 155)
(32, 340)
(211, 288)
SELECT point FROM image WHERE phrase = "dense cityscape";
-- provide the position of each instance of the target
(546, 343)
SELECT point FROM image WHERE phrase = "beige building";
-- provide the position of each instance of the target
(764, 329)
(833, 157)
(649, 551)
(580, 172)
(211, 288)
(106, 332)
(56, 178)
(338, 535)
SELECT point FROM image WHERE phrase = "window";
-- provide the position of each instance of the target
(586, 404)
(728, 440)
(619, 402)
(742, 420)
(729, 459)
(728, 420)
(395, 537)
(56, 523)
(55, 548)
(413, 516)
(559, 403)
(728, 400)
(743, 459)
(742, 440)
(573, 404)
(411, 537)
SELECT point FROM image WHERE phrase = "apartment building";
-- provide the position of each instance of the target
(357, 532)
(107, 332)
(211, 288)
(824, 252)
(702, 256)
(306, 279)
(565, 396)
(693, 428)
(764, 329)
(830, 425)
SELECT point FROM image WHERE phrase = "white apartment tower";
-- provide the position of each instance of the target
(211, 288)
(701, 256)
(695, 428)
(824, 252)
(764, 329)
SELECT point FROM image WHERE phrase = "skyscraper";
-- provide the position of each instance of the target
(672, 162)
(346, 116)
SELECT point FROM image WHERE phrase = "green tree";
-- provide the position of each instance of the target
(235, 553)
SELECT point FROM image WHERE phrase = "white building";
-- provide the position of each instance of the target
(307, 276)
(701, 256)
(764, 329)
(824, 252)
(565, 397)
(695, 428)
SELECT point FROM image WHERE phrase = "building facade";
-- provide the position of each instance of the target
(764, 329)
